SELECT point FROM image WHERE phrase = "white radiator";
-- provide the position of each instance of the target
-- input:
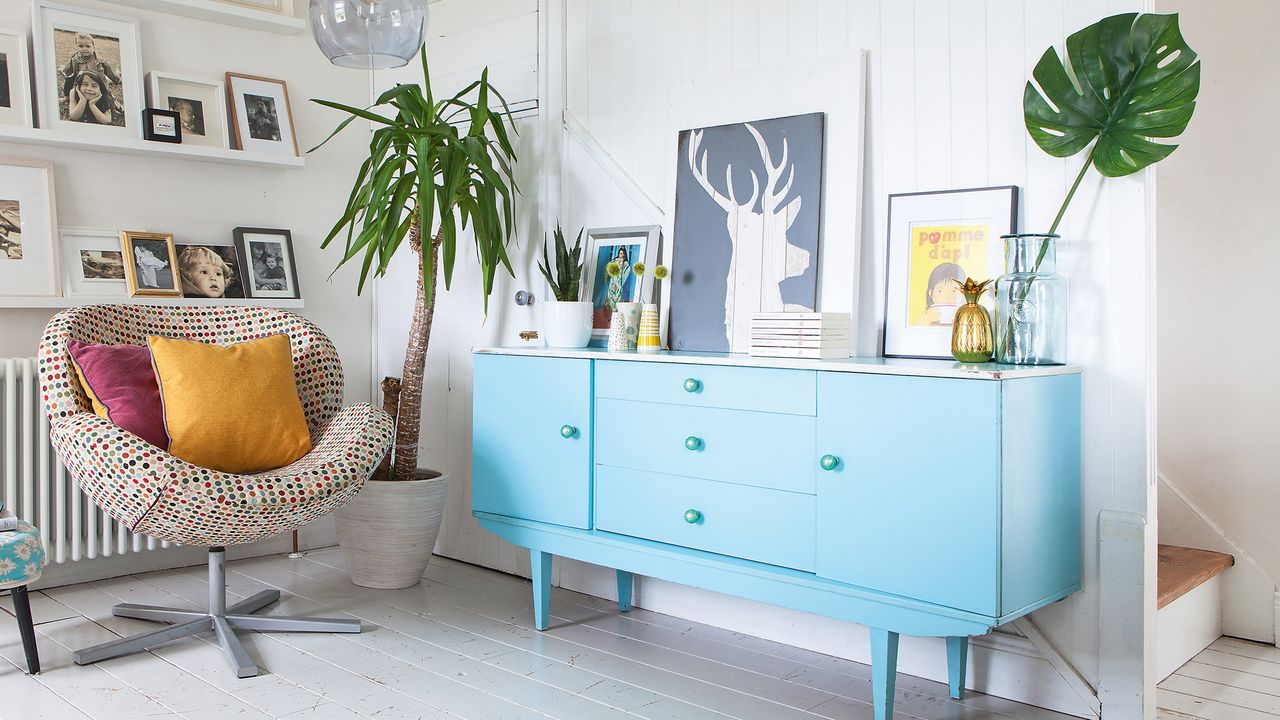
(38, 489)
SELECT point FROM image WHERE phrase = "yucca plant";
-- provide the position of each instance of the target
(568, 268)
(425, 181)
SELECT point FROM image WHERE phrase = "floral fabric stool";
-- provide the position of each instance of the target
(21, 562)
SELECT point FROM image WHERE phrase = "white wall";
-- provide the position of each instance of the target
(944, 111)
(202, 202)
(1217, 342)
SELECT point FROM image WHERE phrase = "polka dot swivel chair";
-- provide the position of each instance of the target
(157, 494)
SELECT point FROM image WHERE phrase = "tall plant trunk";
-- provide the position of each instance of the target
(391, 406)
(409, 417)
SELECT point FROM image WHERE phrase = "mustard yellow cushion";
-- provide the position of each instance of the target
(233, 409)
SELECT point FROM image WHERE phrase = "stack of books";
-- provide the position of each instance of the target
(801, 335)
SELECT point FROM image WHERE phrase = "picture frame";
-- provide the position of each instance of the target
(201, 106)
(151, 262)
(161, 126)
(98, 52)
(268, 262)
(260, 114)
(29, 260)
(278, 7)
(92, 263)
(933, 238)
(208, 270)
(636, 243)
(15, 93)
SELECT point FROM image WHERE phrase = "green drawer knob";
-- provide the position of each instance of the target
(693, 443)
(829, 462)
(692, 516)
(692, 385)
(568, 431)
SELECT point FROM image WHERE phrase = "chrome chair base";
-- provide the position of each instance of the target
(224, 620)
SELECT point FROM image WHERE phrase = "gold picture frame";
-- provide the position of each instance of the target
(151, 264)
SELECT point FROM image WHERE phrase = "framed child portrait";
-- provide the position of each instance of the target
(88, 70)
(261, 119)
(624, 247)
(200, 104)
(150, 262)
(15, 101)
(92, 263)
(210, 271)
(267, 258)
(936, 239)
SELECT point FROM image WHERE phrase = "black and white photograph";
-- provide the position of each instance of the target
(199, 103)
(88, 70)
(93, 262)
(15, 102)
(747, 216)
(264, 123)
(151, 260)
(210, 271)
(267, 257)
(261, 119)
(10, 230)
(102, 264)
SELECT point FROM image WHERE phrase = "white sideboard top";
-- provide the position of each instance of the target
(880, 366)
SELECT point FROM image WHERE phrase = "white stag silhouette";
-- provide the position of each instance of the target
(762, 256)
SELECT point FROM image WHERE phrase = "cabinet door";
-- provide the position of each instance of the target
(912, 504)
(531, 440)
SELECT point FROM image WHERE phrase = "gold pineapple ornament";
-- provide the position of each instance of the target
(971, 340)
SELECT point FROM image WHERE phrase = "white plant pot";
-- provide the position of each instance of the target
(388, 530)
(568, 324)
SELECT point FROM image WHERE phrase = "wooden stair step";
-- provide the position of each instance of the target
(1185, 569)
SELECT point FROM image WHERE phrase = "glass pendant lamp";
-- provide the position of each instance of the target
(369, 34)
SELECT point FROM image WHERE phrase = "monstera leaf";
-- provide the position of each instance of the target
(1132, 77)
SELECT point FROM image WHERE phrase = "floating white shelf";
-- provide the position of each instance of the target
(225, 13)
(66, 302)
(134, 146)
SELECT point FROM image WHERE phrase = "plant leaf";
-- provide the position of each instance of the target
(1131, 77)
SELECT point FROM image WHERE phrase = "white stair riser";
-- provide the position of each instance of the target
(1188, 625)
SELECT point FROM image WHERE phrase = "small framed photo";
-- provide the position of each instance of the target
(150, 259)
(279, 7)
(261, 119)
(200, 104)
(161, 126)
(88, 70)
(92, 263)
(267, 258)
(28, 229)
(936, 238)
(15, 100)
(210, 271)
(625, 246)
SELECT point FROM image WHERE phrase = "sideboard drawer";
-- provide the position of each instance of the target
(736, 388)
(769, 450)
(768, 526)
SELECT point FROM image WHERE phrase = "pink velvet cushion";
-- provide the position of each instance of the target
(122, 384)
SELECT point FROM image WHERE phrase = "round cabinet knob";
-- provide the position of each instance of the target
(692, 516)
(692, 385)
(693, 443)
(568, 431)
(829, 462)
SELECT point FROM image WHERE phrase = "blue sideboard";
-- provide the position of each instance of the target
(918, 497)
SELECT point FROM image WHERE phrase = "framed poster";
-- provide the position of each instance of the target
(15, 99)
(92, 263)
(88, 70)
(267, 258)
(936, 239)
(261, 120)
(28, 228)
(200, 104)
(624, 246)
(747, 220)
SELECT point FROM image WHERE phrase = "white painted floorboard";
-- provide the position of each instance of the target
(1229, 680)
(460, 646)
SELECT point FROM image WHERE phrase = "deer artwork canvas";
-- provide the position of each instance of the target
(747, 222)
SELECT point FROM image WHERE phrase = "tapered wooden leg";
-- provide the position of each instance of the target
(541, 563)
(626, 582)
(22, 608)
(884, 671)
(957, 664)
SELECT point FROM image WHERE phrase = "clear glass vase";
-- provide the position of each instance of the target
(1031, 303)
